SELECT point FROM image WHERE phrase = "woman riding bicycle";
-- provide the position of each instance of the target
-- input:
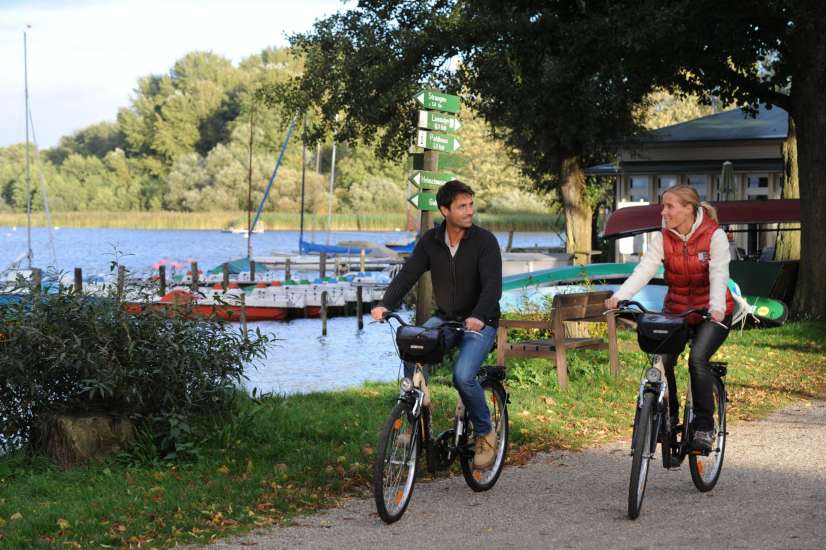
(695, 252)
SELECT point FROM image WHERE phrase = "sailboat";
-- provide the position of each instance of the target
(15, 269)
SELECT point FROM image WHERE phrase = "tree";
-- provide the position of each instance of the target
(518, 64)
(753, 52)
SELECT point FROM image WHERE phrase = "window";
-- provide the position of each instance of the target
(638, 189)
(663, 183)
(700, 183)
(757, 187)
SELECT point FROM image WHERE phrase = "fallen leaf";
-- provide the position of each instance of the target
(17, 516)
(63, 524)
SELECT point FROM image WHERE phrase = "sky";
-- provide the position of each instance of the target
(85, 56)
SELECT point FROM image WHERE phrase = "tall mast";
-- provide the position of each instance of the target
(28, 161)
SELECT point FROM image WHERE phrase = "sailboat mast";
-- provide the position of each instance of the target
(249, 188)
(332, 188)
(28, 161)
(303, 178)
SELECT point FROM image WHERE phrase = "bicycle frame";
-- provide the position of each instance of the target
(658, 384)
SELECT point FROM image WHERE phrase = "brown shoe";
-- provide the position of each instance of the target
(485, 451)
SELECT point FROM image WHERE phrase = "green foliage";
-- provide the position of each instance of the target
(65, 352)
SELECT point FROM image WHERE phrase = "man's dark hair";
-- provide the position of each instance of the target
(447, 192)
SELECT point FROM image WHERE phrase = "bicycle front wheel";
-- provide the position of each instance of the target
(396, 464)
(643, 451)
(497, 401)
(705, 469)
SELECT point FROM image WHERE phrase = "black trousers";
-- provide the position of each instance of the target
(705, 341)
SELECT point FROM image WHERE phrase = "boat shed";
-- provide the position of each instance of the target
(693, 153)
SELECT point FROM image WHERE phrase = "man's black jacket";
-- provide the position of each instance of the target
(466, 285)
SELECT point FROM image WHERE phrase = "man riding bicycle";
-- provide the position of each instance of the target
(695, 252)
(466, 268)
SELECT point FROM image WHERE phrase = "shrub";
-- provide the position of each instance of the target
(68, 353)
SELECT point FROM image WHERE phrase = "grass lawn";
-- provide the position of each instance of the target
(278, 456)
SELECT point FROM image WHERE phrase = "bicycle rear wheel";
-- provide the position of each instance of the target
(643, 451)
(497, 400)
(705, 469)
(396, 464)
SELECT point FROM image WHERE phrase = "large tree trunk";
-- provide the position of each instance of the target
(578, 212)
(809, 111)
(788, 242)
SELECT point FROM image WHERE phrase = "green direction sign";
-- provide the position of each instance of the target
(445, 162)
(438, 121)
(437, 142)
(424, 200)
(430, 180)
(439, 101)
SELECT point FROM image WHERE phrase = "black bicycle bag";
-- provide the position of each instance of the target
(424, 345)
(661, 333)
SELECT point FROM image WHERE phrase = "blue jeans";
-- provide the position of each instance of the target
(473, 349)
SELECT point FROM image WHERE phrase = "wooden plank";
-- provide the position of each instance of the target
(524, 323)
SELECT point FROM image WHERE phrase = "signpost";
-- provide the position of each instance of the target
(438, 121)
(430, 180)
(434, 135)
(437, 142)
(424, 201)
(437, 100)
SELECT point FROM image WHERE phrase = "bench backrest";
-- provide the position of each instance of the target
(581, 306)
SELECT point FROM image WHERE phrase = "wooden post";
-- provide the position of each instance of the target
(121, 281)
(78, 279)
(559, 347)
(613, 360)
(323, 312)
(322, 264)
(501, 344)
(509, 246)
(225, 281)
(162, 280)
(194, 269)
(287, 274)
(252, 271)
(37, 280)
(361, 260)
(244, 315)
(424, 295)
(359, 308)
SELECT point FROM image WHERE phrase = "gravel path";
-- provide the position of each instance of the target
(771, 494)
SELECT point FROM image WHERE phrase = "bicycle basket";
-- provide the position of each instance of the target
(423, 345)
(661, 333)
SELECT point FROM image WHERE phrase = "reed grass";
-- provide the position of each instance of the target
(389, 221)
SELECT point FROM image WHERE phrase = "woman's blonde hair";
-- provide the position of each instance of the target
(686, 194)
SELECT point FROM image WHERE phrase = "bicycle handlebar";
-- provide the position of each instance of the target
(457, 325)
(624, 307)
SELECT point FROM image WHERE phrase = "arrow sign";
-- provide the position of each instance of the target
(437, 121)
(437, 142)
(424, 200)
(438, 101)
(445, 162)
(430, 180)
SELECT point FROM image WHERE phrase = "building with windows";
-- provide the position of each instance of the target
(693, 152)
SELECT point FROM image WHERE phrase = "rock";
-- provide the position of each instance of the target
(69, 440)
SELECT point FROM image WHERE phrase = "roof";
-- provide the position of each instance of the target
(726, 126)
(685, 167)
(634, 220)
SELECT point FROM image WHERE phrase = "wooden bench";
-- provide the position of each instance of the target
(582, 307)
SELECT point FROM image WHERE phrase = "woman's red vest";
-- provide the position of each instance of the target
(686, 269)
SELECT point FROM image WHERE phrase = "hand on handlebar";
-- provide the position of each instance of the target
(474, 324)
(378, 313)
(612, 303)
(717, 315)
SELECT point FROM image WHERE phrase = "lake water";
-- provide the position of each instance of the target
(300, 360)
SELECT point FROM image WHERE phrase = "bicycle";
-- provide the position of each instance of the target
(409, 429)
(668, 333)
